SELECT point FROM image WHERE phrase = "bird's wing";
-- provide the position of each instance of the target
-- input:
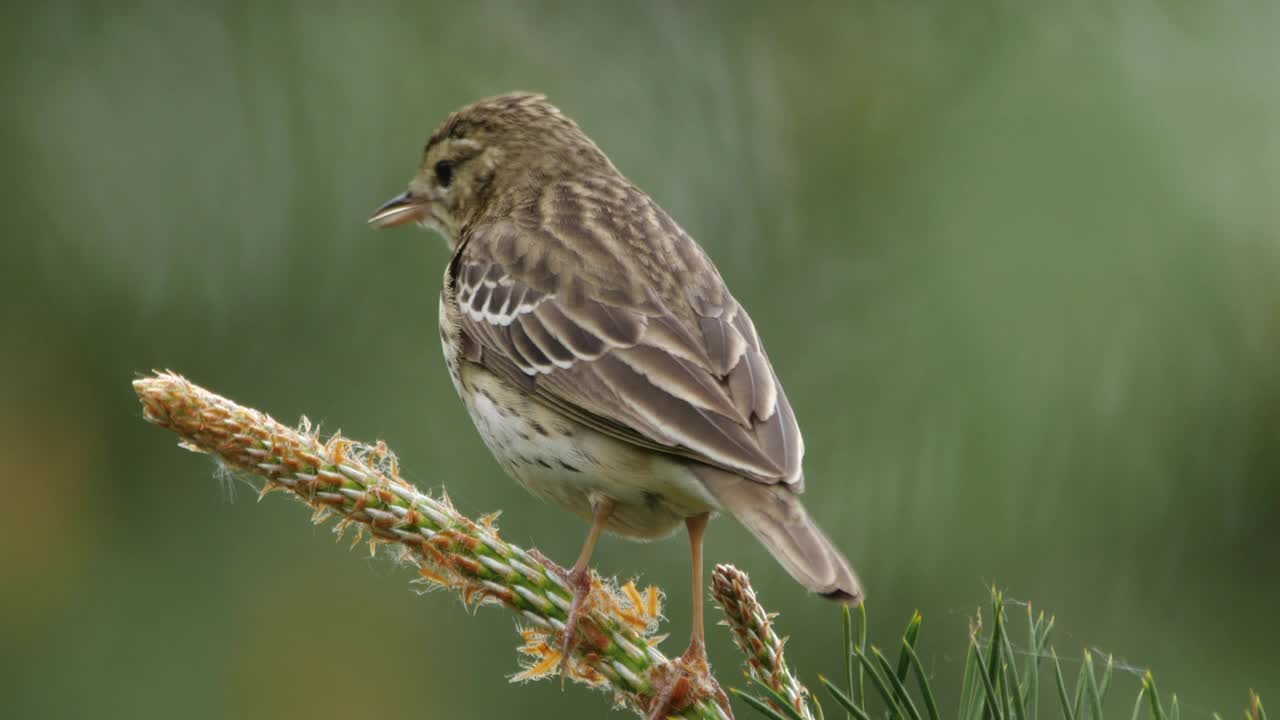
(593, 299)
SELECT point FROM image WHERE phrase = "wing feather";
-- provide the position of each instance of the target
(613, 315)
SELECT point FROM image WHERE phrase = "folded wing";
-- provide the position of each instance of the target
(598, 303)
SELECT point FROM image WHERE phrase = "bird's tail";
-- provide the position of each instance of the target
(774, 514)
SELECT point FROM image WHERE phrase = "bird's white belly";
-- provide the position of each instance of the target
(566, 463)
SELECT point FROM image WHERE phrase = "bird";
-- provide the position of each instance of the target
(599, 352)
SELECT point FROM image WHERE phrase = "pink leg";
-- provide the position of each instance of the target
(689, 675)
(579, 578)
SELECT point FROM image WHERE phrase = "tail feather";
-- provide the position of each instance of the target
(775, 515)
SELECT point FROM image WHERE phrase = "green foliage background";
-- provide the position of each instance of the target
(1015, 262)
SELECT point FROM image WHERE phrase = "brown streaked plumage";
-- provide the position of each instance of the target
(599, 352)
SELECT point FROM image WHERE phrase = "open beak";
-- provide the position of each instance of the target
(401, 209)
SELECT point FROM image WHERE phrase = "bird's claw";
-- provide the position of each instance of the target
(579, 581)
(684, 681)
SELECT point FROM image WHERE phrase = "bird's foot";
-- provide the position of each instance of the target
(579, 581)
(683, 682)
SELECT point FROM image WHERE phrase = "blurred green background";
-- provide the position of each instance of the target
(1015, 262)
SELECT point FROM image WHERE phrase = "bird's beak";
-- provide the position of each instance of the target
(401, 209)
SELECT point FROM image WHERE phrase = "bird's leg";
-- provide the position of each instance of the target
(690, 674)
(579, 578)
(697, 526)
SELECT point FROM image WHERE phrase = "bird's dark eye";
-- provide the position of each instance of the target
(444, 173)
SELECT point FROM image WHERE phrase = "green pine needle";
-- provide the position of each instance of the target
(778, 700)
(995, 684)
(861, 695)
(1157, 709)
(1095, 695)
(992, 700)
(847, 622)
(1068, 710)
(909, 641)
(881, 685)
(899, 690)
(1137, 704)
(854, 709)
(922, 679)
(760, 706)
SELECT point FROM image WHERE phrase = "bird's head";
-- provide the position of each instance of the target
(488, 158)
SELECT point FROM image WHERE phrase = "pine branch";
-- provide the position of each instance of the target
(361, 487)
(754, 635)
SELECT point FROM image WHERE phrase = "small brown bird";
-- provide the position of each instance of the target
(599, 352)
